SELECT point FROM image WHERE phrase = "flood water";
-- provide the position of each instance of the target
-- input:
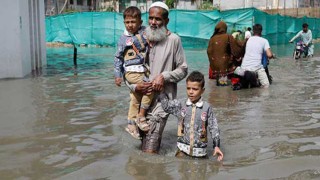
(69, 124)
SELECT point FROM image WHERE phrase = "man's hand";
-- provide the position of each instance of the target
(218, 152)
(118, 81)
(158, 83)
(144, 87)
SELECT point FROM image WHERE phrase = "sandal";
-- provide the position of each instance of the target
(133, 133)
(142, 124)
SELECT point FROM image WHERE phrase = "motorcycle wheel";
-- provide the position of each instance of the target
(296, 54)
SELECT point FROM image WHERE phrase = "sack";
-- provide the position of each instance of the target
(239, 71)
(264, 60)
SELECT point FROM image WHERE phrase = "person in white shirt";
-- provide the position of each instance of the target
(237, 35)
(251, 63)
(305, 36)
(247, 34)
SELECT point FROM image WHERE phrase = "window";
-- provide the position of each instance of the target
(71, 1)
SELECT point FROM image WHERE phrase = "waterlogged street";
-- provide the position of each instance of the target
(69, 124)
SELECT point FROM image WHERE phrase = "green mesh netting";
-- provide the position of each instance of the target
(194, 27)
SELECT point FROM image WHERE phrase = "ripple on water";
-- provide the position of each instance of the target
(71, 122)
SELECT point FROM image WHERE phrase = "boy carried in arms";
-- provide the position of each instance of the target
(129, 62)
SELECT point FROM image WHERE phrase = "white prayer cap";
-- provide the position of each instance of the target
(159, 4)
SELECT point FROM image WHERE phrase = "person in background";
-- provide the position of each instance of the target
(247, 34)
(251, 69)
(168, 66)
(237, 35)
(306, 37)
(223, 53)
(195, 119)
(129, 62)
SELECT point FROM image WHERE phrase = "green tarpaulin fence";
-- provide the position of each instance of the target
(194, 27)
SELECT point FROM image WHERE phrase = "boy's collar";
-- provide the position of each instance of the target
(199, 104)
(127, 33)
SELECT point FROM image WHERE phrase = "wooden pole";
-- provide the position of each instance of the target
(284, 7)
(266, 4)
(56, 6)
(297, 8)
(75, 52)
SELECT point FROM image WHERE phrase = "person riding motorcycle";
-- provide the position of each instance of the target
(306, 37)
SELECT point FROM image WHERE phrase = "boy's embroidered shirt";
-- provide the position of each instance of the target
(125, 48)
(194, 116)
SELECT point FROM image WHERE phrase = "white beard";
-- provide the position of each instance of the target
(156, 35)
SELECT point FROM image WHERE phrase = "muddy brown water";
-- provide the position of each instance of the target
(69, 124)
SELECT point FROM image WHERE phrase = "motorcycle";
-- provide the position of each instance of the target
(299, 49)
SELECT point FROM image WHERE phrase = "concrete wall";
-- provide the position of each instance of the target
(22, 34)
(259, 4)
(187, 4)
(296, 12)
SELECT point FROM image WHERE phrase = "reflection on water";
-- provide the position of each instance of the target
(69, 124)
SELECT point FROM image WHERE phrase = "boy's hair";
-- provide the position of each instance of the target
(132, 11)
(257, 29)
(304, 25)
(249, 29)
(196, 76)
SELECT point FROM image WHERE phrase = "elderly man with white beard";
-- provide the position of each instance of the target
(168, 66)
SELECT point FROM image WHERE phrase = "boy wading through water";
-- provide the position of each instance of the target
(195, 118)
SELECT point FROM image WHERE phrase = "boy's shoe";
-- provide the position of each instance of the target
(133, 132)
(142, 124)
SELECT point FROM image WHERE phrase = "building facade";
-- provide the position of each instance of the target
(53, 7)
(23, 35)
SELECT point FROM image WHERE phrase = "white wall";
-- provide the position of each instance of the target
(22, 37)
(186, 4)
(10, 51)
(260, 4)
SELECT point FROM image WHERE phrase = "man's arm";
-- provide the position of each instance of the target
(268, 50)
(296, 36)
(269, 53)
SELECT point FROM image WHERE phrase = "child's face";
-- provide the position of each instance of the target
(194, 91)
(132, 24)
